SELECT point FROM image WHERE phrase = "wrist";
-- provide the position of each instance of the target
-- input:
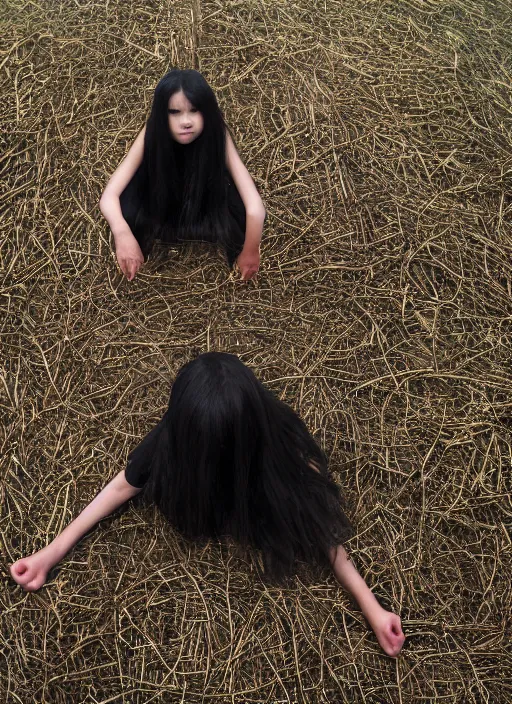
(122, 234)
(60, 546)
(51, 554)
(251, 248)
(370, 607)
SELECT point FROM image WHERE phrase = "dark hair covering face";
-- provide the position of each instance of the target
(231, 459)
(187, 179)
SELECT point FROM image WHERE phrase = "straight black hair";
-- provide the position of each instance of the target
(231, 459)
(181, 186)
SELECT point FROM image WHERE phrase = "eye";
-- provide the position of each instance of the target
(172, 111)
(194, 110)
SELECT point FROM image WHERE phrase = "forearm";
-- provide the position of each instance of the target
(254, 229)
(350, 579)
(116, 493)
(110, 207)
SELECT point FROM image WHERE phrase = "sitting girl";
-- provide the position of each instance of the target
(183, 180)
(229, 459)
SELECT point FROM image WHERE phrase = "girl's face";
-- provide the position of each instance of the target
(185, 121)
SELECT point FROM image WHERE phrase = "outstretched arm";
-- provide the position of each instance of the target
(128, 252)
(386, 625)
(30, 572)
(249, 258)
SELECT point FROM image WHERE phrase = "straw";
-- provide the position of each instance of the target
(379, 135)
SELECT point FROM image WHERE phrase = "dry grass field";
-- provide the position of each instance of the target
(379, 133)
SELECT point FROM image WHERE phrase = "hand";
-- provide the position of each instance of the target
(129, 255)
(30, 572)
(388, 629)
(248, 263)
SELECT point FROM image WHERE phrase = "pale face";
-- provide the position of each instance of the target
(185, 121)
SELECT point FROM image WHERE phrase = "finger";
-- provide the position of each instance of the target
(397, 626)
(35, 584)
(398, 647)
(128, 269)
(21, 571)
(398, 641)
(395, 634)
(123, 266)
(134, 268)
(21, 577)
(392, 647)
(395, 639)
(18, 568)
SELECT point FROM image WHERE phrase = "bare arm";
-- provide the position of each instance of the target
(385, 624)
(350, 579)
(128, 251)
(248, 259)
(30, 572)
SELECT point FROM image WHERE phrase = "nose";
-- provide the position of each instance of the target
(186, 120)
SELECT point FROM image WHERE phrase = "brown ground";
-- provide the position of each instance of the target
(379, 134)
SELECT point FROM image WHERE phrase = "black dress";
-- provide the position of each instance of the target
(131, 201)
(138, 469)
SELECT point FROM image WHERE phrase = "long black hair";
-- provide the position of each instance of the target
(230, 459)
(180, 187)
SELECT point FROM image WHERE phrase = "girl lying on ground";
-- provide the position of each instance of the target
(229, 459)
(183, 180)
